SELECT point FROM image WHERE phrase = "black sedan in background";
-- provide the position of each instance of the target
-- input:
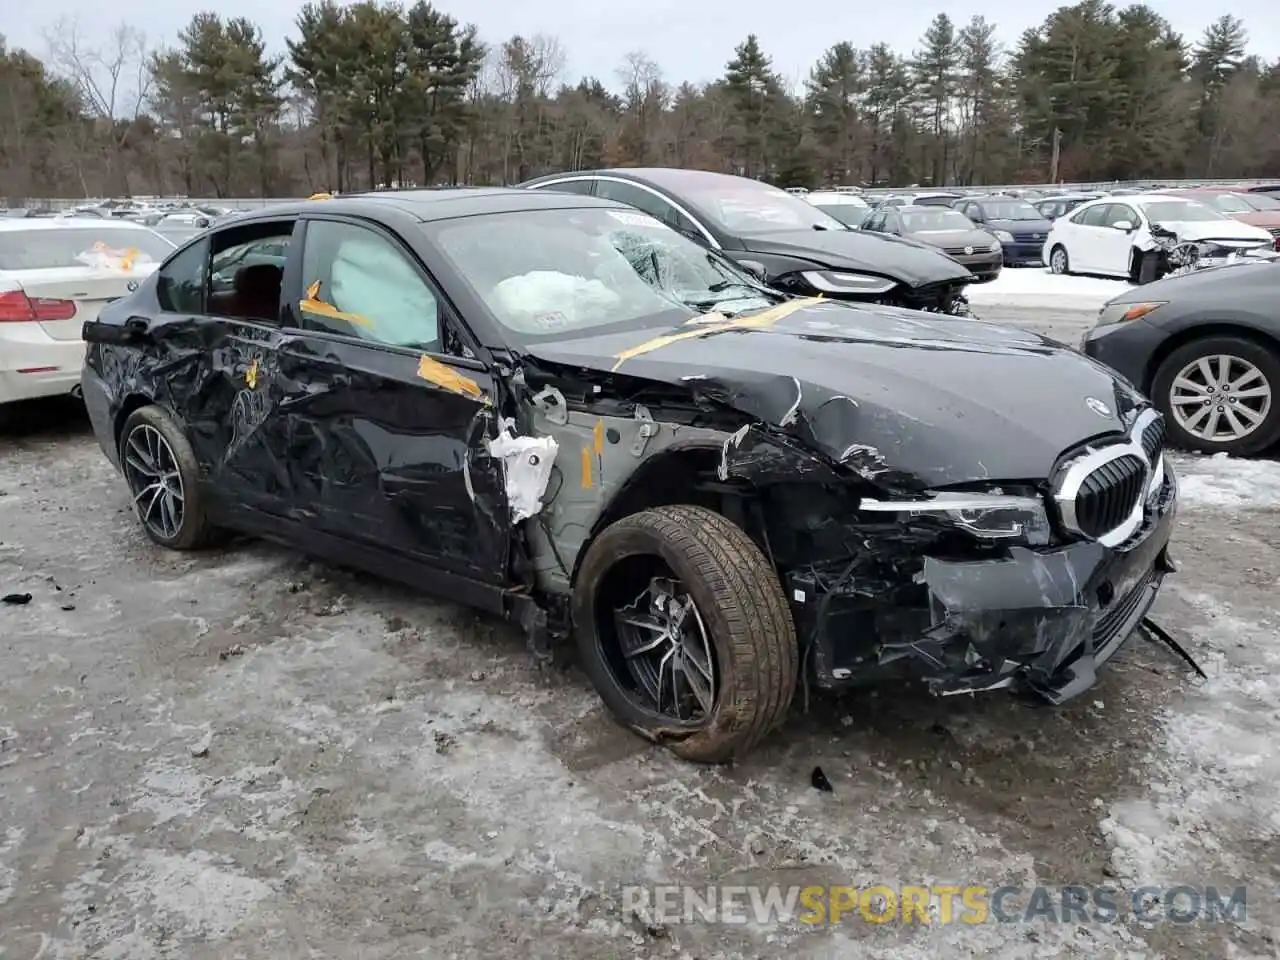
(560, 410)
(1205, 346)
(785, 240)
(949, 230)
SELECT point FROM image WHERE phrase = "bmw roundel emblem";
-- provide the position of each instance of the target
(1097, 406)
(131, 286)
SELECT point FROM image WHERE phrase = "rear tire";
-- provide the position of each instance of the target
(737, 601)
(1059, 262)
(164, 480)
(1180, 377)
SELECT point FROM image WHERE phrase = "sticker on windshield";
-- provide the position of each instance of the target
(632, 219)
(550, 320)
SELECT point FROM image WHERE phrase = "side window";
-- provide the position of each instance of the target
(246, 270)
(582, 186)
(180, 282)
(1117, 212)
(359, 284)
(1092, 216)
(635, 197)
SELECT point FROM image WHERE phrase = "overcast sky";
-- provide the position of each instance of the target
(690, 39)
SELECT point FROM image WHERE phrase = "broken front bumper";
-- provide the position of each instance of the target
(1038, 619)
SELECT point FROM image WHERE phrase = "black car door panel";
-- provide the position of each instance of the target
(387, 442)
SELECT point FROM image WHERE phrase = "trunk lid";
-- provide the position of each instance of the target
(91, 288)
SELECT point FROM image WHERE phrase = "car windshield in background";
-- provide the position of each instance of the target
(850, 214)
(556, 274)
(1227, 203)
(1260, 201)
(940, 220)
(1181, 211)
(752, 208)
(1010, 210)
(79, 247)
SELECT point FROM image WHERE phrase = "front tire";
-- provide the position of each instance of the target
(683, 628)
(163, 477)
(1059, 262)
(1218, 395)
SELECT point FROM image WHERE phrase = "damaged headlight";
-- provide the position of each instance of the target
(1120, 312)
(990, 516)
(837, 281)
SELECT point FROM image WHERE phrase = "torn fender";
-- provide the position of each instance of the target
(526, 464)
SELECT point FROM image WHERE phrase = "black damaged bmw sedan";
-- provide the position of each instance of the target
(560, 410)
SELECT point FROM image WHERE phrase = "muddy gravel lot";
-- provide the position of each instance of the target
(243, 754)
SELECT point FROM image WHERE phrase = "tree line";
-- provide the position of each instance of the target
(379, 94)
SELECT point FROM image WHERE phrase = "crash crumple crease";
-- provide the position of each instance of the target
(526, 465)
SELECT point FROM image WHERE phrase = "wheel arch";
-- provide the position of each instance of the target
(131, 403)
(671, 476)
(1217, 328)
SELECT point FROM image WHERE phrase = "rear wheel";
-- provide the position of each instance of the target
(683, 627)
(160, 469)
(1218, 395)
(1058, 260)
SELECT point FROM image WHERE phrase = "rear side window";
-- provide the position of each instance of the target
(1092, 216)
(181, 283)
(568, 186)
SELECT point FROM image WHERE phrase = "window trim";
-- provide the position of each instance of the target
(191, 244)
(711, 240)
(447, 313)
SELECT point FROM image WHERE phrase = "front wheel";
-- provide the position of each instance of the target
(683, 627)
(1218, 396)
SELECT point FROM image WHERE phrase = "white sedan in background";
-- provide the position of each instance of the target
(849, 208)
(1103, 236)
(54, 275)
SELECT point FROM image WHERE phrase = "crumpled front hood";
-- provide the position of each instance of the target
(1197, 230)
(914, 264)
(920, 399)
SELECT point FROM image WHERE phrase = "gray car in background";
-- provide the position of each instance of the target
(1203, 346)
(948, 230)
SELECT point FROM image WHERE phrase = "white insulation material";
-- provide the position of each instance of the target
(526, 464)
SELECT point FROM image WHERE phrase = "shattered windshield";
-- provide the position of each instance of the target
(556, 274)
(43, 249)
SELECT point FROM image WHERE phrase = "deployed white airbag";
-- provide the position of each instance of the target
(545, 300)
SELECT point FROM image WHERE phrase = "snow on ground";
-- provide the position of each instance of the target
(1223, 481)
(1037, 287)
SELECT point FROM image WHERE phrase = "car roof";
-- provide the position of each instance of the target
(832, 197)
(65, 223)
(445, 203)
(669, 178)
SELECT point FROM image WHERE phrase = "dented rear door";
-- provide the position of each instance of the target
(388, 429)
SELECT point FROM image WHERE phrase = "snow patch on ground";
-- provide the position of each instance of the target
(1037, 287)
(1223, 481)
(1214, 765)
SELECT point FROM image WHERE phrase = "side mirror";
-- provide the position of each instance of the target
(1125, 225)
(755, 268)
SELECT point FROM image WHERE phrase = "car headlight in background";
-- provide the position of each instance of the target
(1004, 236)
(995, 246)
(1119, 312)
(834, 281)
(989, 516)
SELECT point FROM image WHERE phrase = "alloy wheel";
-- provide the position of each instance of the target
(1220, 398)
(668, 653)
(1058, 260)
(155, 481)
